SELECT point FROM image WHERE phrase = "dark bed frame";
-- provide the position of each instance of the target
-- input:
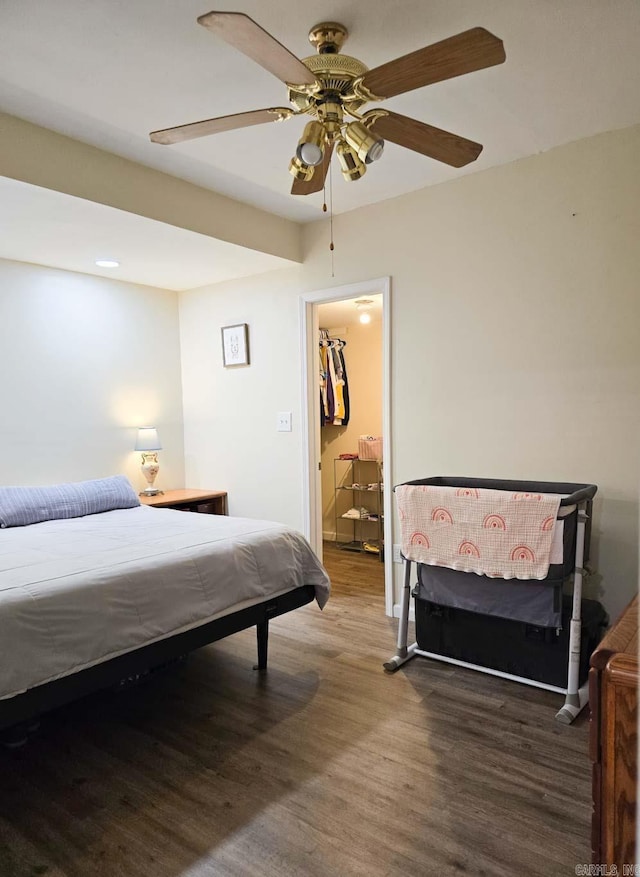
(16, 713)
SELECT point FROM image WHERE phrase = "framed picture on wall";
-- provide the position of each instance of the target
(235, 345)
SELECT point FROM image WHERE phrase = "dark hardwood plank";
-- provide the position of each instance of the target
(324, 766)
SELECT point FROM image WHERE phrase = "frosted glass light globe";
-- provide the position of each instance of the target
(310, 154)
(376, 151)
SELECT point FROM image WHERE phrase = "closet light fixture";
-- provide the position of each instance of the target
(107, 263)
(364, 305)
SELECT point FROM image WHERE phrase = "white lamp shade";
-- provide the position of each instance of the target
(147, 439)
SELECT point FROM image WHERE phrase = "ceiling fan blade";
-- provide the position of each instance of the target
(432, 142)
(244, 34)
(316, 183)
(468, 51)
(222, 123)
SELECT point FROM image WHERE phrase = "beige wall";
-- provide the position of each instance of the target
(363, 358)
(515, 321)
(95, 175)
(84, 361)
(231, 441)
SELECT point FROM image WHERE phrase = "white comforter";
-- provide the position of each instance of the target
(76, 592)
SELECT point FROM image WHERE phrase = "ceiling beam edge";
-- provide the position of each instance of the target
(45, 158)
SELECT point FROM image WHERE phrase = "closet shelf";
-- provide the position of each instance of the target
(371, 518)
(356, 487)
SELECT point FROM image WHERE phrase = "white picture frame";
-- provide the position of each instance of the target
(235, 345)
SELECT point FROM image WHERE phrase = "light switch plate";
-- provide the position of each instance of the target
(284, 421)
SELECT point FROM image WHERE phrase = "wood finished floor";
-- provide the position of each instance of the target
(323, 767)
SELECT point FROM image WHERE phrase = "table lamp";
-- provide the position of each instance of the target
(149, 444)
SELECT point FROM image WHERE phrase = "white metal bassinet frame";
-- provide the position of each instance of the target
(576, 697)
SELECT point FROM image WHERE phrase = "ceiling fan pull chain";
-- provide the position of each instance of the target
(331, 247)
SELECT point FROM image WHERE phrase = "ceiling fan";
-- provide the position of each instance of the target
(330, 86)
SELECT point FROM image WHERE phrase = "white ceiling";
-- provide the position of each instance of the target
(109, 71)
(50, 228)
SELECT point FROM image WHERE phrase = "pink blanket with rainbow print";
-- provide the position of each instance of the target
(497, 533)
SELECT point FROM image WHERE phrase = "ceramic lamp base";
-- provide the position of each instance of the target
(150, 469)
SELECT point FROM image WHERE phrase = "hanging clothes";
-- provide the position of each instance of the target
(337, 377)
(334, 388)
(345, 391)
(324, 393)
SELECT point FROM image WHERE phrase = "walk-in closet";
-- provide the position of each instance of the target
(350, 399)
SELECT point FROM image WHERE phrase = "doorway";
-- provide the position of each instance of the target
(346, 428)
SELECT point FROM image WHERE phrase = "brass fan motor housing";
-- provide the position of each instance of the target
(336, 74)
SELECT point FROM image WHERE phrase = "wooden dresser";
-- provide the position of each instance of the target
(613, 696)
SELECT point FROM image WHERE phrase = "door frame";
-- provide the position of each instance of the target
(311, 446)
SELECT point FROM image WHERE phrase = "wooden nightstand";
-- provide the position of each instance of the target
(208, 502)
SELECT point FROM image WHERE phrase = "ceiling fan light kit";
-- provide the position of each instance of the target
(329, 86)
(350, 165)
(311, 145)
(367, 145)
(299, 170)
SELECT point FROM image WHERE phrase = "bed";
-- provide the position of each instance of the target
(88, 601)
